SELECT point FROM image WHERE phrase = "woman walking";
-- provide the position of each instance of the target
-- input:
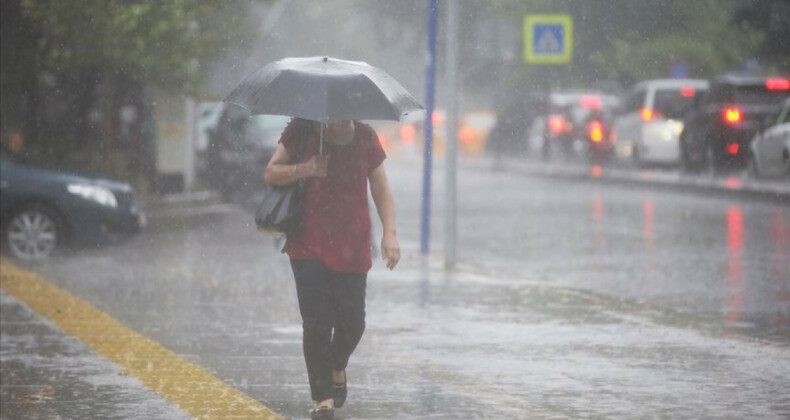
(330, 255)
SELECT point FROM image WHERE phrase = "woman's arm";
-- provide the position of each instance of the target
(281, 172)
(385, 205)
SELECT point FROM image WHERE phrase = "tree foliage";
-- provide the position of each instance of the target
(630, 41)
(162, 42)
(773, 18)
(69, 67)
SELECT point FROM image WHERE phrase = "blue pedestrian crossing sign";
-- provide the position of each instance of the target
(548, 39)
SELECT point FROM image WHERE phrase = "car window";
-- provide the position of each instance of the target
(773, 118)
(635, 101)
(700, 99)
(673, 103)
(721, 93)
(757, 95)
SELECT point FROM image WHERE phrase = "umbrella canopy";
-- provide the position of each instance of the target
(323, 89)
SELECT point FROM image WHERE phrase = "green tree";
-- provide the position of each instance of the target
(162, 42)
(699, 34)
(630, 41)
(772, 17)
(70, 66)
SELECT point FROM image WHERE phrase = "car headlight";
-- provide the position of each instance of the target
(94, 193)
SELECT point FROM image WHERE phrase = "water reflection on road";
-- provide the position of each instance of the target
(734, 304)
(725, 259)
(779, 272)
(755, 261)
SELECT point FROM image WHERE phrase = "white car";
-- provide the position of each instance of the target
(770, 148)
(648, 129)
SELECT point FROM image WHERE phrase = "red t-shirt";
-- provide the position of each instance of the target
(336, 226)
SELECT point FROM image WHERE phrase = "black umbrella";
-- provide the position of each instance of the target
(323, 89)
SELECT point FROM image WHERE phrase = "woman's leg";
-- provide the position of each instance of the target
(349, 315)
(315, 305)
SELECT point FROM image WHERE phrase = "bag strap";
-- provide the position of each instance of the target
(300, 183)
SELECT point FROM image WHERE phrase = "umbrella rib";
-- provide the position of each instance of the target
(239, 105)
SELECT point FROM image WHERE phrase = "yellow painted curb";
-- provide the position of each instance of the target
(186, 385)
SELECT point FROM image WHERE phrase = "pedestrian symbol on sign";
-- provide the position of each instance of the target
(548, 39)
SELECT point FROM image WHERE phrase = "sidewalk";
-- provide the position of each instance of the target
(48, 374)
(734, 184)
(438, 345)
(63, 357)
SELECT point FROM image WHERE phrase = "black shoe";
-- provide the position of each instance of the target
(340, 391)
(322, 413)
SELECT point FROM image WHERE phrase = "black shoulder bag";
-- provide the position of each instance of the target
(281, 209)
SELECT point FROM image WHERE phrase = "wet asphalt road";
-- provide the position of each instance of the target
(726, 259)
(572, 300)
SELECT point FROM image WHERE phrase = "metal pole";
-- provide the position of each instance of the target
(189, 142)
(433, 8)
(450, 217)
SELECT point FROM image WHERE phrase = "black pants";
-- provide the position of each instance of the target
(333, 319)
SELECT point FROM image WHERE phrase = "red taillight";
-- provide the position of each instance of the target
(437, 118)
(557, 124)
(590, 102)
(384, 141)
(777, 84)
(732, 148)
(595, 131)
(732, 115)
(688, 92)
(408, 133)
(466, 135)
(649, 114)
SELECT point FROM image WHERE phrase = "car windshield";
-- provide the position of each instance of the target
(757, 95)
(674, 103)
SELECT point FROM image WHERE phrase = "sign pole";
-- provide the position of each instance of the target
(433, 8)
(450, 217)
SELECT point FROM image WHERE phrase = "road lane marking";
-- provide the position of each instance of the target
(184, 384)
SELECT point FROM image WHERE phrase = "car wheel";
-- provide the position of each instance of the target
(717, 162)
(693, 162)
(751, 166)
(546, 149)
(33, 233)
(685, 160)
(786, 160)
(637, 157)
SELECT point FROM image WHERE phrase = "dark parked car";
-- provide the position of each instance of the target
(239, 148)
(720, 125)
(41, 210)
